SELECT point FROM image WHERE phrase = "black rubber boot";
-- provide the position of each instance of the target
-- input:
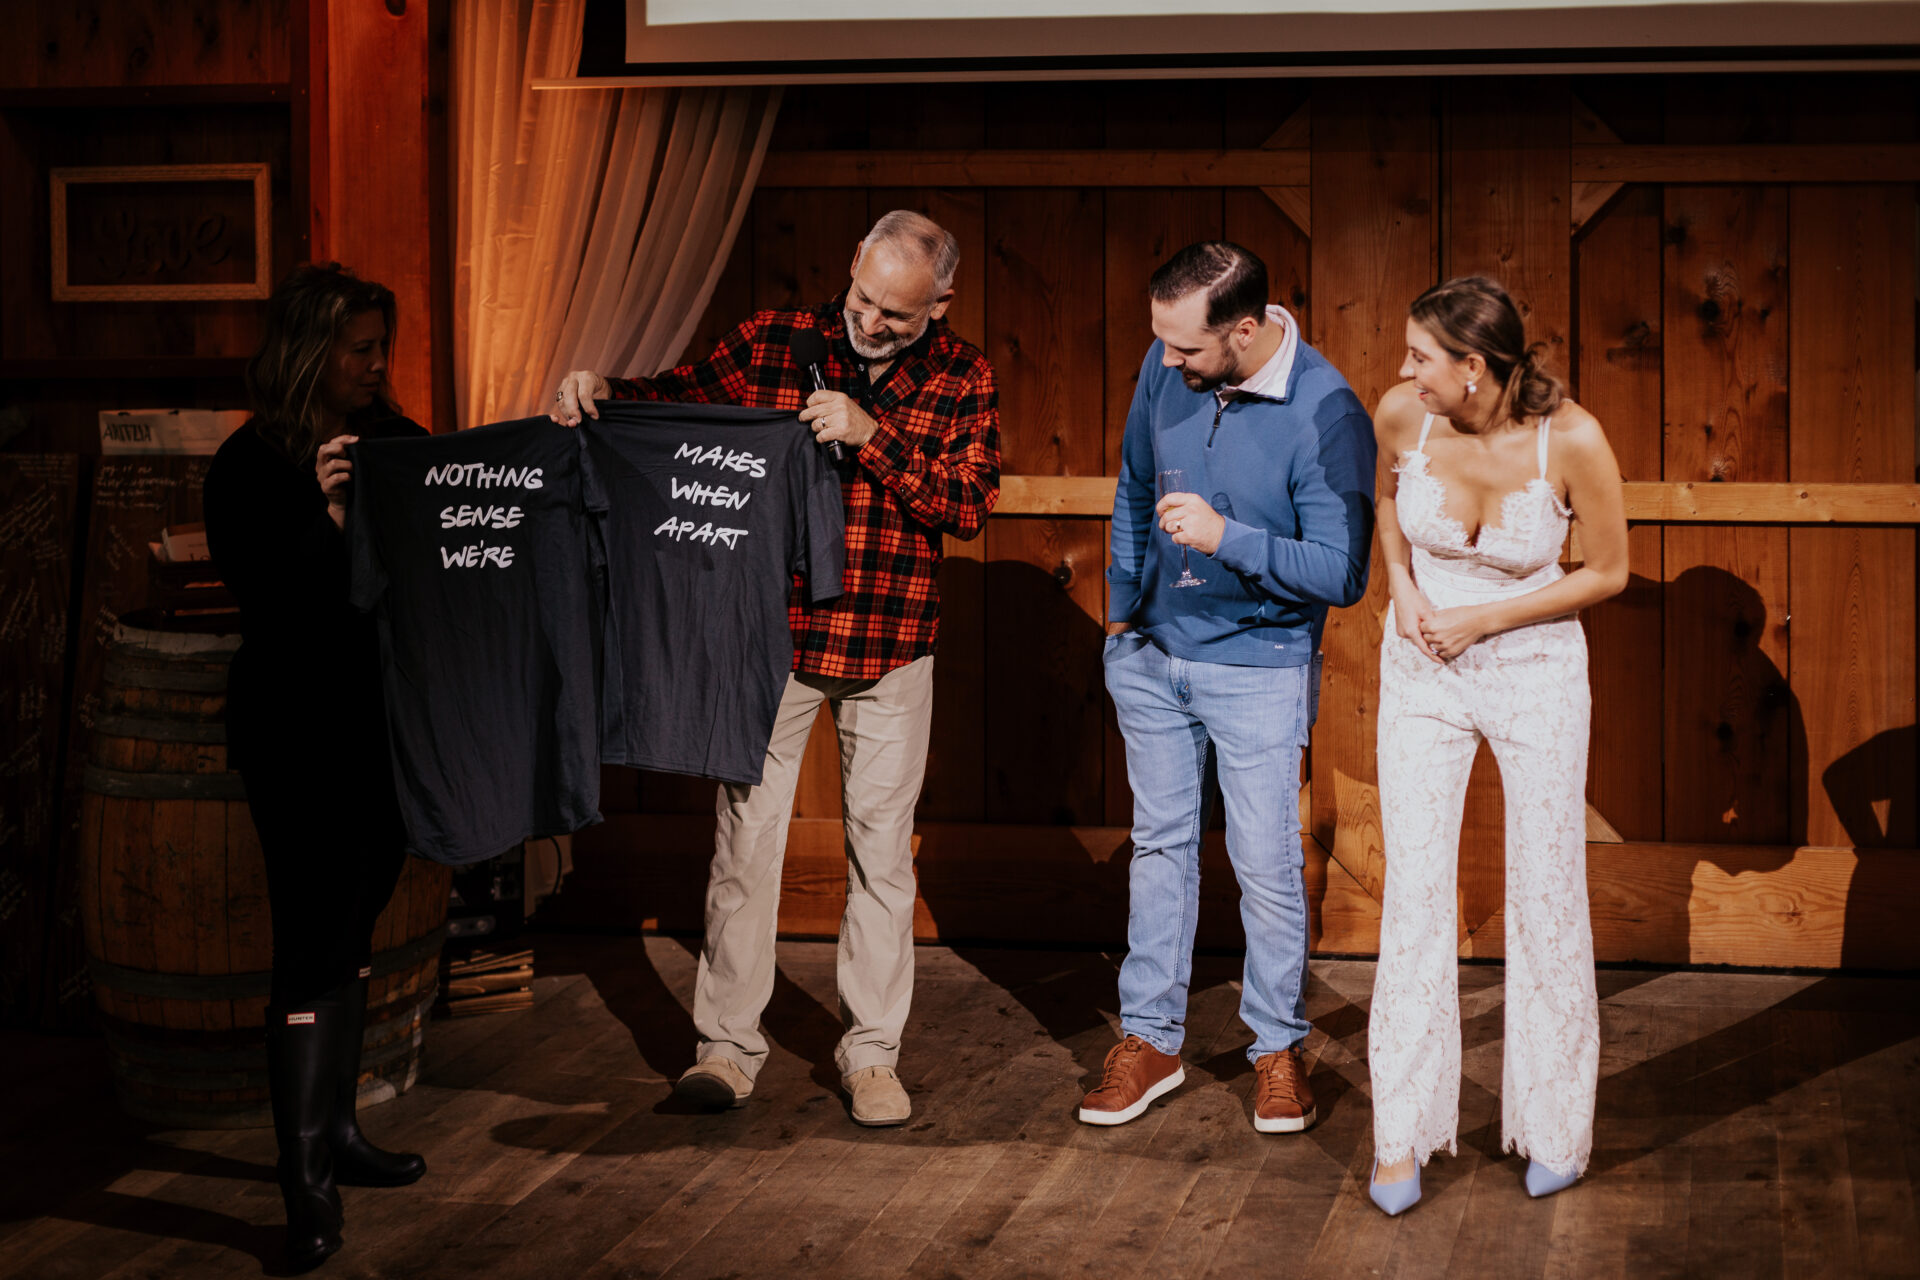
(357, 1162)
(301, 1074)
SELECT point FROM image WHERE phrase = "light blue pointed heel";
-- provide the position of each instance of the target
(1394, 1198)
(1542, 1181)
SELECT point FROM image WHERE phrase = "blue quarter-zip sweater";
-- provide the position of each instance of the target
(1294, 479)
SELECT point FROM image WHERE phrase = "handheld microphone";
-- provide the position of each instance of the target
(809, 350)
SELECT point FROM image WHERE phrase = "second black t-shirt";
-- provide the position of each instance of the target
(712, 512)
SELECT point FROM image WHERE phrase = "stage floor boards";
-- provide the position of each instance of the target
(1749, 1126)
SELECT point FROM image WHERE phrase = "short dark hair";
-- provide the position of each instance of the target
(1235, 280)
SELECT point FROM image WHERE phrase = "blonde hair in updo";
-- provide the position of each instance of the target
(1474, 315)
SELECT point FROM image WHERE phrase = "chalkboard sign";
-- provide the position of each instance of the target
(168, 232)
(37, 499)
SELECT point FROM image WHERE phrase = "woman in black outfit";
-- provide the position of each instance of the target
(306, 726)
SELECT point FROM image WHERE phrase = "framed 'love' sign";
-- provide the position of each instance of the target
(182, 232)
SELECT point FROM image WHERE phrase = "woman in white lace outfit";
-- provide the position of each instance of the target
(1483, 461)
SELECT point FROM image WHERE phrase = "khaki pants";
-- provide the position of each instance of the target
(883, 726)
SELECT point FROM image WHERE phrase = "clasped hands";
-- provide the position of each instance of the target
(1441, 634)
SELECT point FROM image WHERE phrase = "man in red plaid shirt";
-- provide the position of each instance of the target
(916, 412)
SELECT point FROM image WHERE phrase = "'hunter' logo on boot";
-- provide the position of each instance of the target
(299, 1019)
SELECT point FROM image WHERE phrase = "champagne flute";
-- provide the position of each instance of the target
(1174, 480)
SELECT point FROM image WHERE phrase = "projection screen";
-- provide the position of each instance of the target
(796, 35)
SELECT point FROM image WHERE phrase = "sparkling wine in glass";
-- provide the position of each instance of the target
(1175, 481)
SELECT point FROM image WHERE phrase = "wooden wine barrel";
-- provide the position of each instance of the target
(174, 899)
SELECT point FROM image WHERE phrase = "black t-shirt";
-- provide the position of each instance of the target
(478, 555)
(712, 511)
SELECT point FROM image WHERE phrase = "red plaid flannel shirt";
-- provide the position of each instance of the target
(932, 468)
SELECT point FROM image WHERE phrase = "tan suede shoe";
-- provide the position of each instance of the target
(716, 1084)
(878, 1096)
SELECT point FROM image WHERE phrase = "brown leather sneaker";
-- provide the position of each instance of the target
(1283, 1100)
(1135, 1074)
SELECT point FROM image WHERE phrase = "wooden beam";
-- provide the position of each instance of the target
(1295, 134)
(1767, 905)
(1653, 502)
(1700, 164)
(1807, 907)
(1296, 203)
(1599, 830)
(1013, 168)
(1055, 496)
(1589, 198)
(1691, 502)
(1600, 165)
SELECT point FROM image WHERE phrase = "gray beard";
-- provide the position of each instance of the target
(879, 350)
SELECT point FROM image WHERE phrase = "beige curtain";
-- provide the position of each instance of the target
(590, 225)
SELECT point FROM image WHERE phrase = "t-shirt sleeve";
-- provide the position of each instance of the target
(820, 524)
(366, 571)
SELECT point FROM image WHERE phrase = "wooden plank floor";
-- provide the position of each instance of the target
(1750, 1126)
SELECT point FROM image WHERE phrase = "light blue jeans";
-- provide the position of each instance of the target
(1253, 721)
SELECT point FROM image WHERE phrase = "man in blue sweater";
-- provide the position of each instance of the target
(1222, 576)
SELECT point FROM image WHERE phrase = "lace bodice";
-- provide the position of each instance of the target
(1527, 540)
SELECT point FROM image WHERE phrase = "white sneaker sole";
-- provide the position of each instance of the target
(1284, 1125)
(1133, 1112)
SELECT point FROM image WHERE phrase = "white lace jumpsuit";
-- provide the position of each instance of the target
(1525, 691)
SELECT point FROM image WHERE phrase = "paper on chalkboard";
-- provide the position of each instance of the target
(192, 431)
(183, 542)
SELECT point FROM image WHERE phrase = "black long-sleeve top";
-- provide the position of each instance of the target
(305, 685)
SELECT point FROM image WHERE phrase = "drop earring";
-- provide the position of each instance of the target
(1471, 388)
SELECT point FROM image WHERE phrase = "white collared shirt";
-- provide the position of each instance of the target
(1270, 380)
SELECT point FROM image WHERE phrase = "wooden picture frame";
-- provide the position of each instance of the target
(194, 254)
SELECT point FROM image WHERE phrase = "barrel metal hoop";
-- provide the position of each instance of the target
(241, 986)
(182, 1057)
(195, 1115)
(136, 675)
(163, 786)
(141, 1072)
(205, 731)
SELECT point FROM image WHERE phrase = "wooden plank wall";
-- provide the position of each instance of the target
(144, 43)
(1754, 686)
(1052, 285)
(1377, 225)
(389, 221)
(129, 83)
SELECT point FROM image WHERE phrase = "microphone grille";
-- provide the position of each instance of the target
(808, 347)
